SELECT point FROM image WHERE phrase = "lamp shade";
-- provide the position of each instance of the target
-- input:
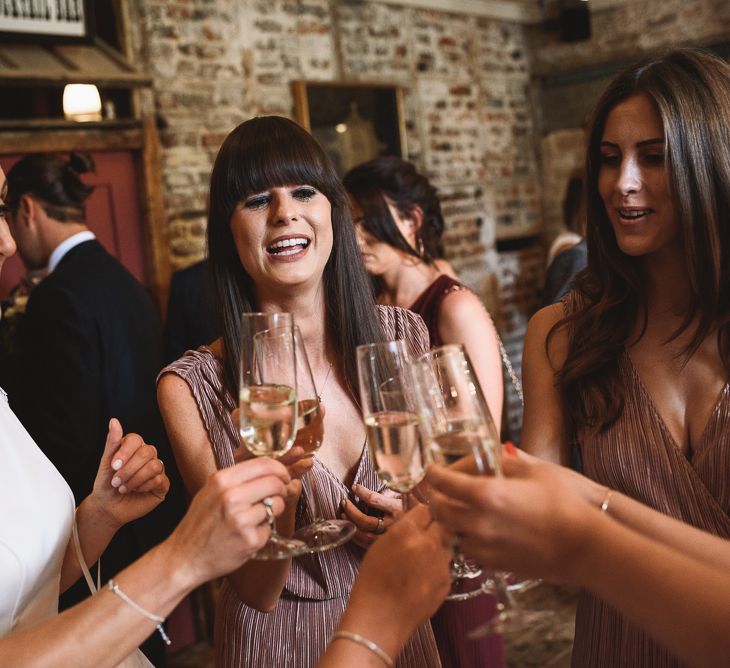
(81, 102)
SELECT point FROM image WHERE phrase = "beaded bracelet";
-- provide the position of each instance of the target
(114, 587)
(362, 640)
(606, 500)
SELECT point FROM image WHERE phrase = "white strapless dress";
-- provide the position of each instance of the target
(36, 518)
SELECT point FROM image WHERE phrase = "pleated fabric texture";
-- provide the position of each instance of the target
(638, 456)
(317, 590)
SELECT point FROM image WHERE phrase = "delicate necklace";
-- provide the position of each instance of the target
(324, 384)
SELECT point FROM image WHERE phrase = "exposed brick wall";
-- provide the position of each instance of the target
(521, 275)
(467, 103)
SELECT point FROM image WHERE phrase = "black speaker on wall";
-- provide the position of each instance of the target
(575, 21)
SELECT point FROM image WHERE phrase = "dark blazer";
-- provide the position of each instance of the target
(90, 350)
(190, 322)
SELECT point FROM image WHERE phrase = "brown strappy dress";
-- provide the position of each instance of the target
(317, 590)
(638, 456)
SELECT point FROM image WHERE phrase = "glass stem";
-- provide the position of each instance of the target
(405, 498)
(274, 533)
(505, 604)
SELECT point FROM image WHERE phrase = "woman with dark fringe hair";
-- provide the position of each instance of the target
(280, 238)
(633, 365)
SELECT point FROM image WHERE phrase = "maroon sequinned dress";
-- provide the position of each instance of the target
(295, 634)
(455, 619)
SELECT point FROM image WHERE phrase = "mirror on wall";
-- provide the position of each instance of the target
(353, 122)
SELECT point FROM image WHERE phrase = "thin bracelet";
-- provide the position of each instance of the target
(362, 640)
(114, 587)
(606, 500)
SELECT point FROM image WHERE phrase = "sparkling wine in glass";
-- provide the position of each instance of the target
(388, 399)
(268, 405)
(458, 424)
(322, 534)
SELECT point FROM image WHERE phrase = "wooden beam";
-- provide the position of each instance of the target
(62, 141)
(157, 257)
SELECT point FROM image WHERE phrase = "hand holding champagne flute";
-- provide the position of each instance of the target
(457, 424)
(268, 405)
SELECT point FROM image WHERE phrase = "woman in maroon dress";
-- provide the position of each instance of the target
(399, 226)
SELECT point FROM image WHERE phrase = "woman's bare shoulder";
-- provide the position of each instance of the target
(538, 331)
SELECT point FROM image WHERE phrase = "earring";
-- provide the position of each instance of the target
(419, 247)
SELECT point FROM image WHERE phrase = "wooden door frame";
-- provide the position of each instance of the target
(141, 139)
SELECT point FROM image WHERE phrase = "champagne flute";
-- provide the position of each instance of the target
(458, 424)
(268, 406)
(388, 398)
(453, 428)
(322, 534)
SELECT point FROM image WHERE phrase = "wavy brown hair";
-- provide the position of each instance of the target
(263, 153)
(691, 90)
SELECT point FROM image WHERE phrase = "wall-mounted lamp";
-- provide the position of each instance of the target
(81, 102)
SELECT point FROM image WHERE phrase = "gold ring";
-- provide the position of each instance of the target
(380, 528)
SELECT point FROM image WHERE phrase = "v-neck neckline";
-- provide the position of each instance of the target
(694, 448)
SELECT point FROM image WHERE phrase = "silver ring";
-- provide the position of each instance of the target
(381, 527)
(269, 508)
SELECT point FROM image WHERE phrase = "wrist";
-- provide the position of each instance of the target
(95, 510)
(585, 537)
(182, 572)
(379, 621)
(596, 494)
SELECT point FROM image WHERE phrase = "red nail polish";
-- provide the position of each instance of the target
(510, 448)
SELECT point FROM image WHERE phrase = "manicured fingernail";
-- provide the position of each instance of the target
(343, 503)
(355, 487)
(122, 490)
(510, 448)
(116, 481)
(117, 464)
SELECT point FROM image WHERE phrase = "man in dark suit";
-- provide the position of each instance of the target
(189, 312)
(89, 349)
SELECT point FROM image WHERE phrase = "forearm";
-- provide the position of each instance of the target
(95, 532)
(103, 630)
(370, 619)
(690, 541)
(680, 601)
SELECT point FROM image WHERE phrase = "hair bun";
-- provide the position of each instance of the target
(80, 162)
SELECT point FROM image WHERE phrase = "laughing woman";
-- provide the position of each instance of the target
(634, 364)
(280, 238)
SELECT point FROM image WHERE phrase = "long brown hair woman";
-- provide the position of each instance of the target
(634, 364)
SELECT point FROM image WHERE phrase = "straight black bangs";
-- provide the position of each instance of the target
(270, 152)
